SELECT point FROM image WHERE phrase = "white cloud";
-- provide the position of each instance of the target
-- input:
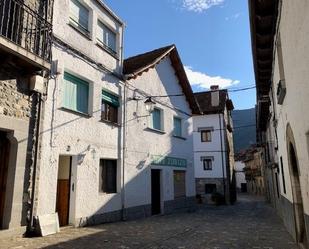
(235, 16)
(203, 80)
(200, 5)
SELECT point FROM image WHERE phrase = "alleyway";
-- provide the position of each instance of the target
(249, 224)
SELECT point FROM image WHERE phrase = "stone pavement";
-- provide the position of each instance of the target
(249, 224)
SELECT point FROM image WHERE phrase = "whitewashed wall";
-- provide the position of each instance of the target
(142, 143)
(295, 48)
(213, 148)
(88, 138)
(240, 175)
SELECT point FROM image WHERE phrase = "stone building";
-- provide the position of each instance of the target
(25, 62)
(280, 48)
(254, 171)
(158, 160)
(213, 143)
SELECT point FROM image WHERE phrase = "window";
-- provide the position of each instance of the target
(210, 188)
(79, 16)
(76, 92)
(206, 136)
(109, 107)
(179, 184)
(177, 127)
(108, 176)
(156, 119)
(106, 37)
(207, 163)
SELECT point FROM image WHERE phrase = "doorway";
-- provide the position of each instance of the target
(63, 189)
(297, 198)
(4, 162)
(155, 191)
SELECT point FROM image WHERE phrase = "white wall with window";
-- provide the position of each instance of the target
(91, 28)
(83, 111)
(207, 146)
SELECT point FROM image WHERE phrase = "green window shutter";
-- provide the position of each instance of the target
(76, 93)
(177, 127)
(110, 98)
(156, 119)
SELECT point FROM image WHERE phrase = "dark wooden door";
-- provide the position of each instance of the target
(4, 162)
(63, 198)
(155, 192)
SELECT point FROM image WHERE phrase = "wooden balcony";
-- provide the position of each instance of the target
(25, 37)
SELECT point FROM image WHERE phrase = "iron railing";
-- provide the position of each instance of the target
(26, 27)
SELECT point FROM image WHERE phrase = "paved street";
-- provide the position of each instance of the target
(248, 224)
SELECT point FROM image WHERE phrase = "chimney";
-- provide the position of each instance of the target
(215, 95)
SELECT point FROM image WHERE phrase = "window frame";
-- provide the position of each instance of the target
(181, 126)
(104, 189)
(207, 166)
(109, 104)
(101, 43)
(76, 25)
(161, 120)
(79, 80)
(207, 131)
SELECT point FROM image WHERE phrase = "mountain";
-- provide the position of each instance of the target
(244, 128)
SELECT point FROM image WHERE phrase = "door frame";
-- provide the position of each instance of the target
(161, 190)
(69, 202)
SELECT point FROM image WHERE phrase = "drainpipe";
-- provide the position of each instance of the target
(30, 224)
(222, 158)
(123, 216)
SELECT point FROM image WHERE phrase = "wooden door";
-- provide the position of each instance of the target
(155, 192)
(63, 198)
(4, 162)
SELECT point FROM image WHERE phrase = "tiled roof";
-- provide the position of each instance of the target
(136, 63)
(135, 66)
(204, 101)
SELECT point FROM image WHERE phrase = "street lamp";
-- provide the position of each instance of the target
(149, 103)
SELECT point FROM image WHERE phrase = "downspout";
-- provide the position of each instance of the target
(222, 158)
(30, 224)
(123, 216)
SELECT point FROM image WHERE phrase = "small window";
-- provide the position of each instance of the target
(106, 37)
(76, 93)
(177, 127)
(207, 164)
(79, 16)
(108, 176)
(109, 108)
(156, 119)
(206, 136)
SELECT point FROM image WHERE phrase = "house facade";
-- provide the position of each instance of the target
(280, 52)
(158, 161)
(213, 143)
(80, 163)
(25, 64)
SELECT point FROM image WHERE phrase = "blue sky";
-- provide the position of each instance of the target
(212, 38)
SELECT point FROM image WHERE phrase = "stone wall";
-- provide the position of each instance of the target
(200, 184)
(15, 99)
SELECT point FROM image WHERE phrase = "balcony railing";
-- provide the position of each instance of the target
(26, 28)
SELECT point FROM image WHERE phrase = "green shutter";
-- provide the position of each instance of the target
(76, 93)
(110, 98)
(177, 127)
(156, 119)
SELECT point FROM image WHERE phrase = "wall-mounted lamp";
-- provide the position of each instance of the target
(149, 103)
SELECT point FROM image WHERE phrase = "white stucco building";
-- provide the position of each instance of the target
(279, 31)
(159, 172)
(241, 183)
(80, 166)
(213, 143)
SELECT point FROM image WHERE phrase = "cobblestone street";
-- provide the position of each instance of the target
(251, 223)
